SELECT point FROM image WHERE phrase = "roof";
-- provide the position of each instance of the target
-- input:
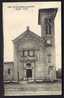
(48, 10)
(8, 62)
(25, 33)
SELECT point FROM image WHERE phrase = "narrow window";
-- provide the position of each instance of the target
(49, 58)
(48, 25)
(9, 71)
(25, 52)
(30, 53)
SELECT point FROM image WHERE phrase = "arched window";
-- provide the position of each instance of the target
(28, 53)
(31, 53)
(48, 25)
(25, 53)
(28, 64)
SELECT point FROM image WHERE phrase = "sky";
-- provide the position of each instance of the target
(18, 15)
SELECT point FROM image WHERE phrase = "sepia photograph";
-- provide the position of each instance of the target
(32, 48)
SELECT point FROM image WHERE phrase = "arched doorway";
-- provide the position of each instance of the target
(28, 71)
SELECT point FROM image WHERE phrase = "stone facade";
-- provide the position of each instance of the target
(34, 56)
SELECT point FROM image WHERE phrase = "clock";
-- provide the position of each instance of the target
(48, 42)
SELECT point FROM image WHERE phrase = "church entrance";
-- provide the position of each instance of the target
(29, 73)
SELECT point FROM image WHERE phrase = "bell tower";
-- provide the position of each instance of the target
(46, 20)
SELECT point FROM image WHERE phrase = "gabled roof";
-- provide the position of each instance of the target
(27, 32)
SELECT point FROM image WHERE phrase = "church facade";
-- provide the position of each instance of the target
(34, 55)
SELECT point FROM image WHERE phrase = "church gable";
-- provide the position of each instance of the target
(27, 35)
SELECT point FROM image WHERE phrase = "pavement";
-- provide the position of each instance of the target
(25, 88)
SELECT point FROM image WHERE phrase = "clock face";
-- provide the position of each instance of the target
(48, 41)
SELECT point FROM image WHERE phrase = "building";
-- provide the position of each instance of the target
(34, 56)
(8, 71)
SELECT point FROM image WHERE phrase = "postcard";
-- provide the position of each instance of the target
(32, 48)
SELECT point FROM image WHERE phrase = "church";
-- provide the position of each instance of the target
(34, 55)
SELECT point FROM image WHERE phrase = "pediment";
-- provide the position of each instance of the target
(26, 36)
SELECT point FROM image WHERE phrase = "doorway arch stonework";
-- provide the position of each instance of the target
(29, 72)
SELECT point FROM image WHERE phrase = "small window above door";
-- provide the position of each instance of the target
(28, 65)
